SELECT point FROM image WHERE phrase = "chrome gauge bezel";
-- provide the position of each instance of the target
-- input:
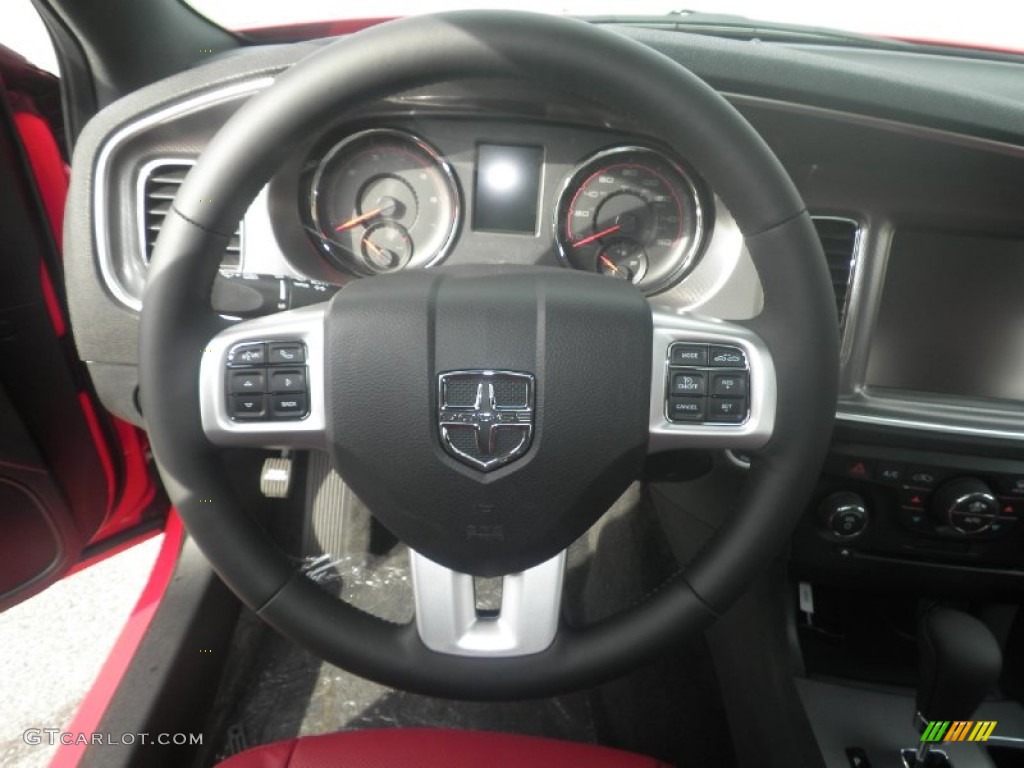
(335, 254)
(687, 259)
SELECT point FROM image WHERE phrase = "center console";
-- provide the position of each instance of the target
(924, 484)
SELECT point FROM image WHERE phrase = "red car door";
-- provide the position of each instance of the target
(76, 483)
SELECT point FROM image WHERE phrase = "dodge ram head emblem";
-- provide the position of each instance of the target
(485, 417)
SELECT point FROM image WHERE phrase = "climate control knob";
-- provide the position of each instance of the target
(844, 514)
(966, 505)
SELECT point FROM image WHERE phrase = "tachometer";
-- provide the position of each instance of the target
(630, 213)
(384, 199)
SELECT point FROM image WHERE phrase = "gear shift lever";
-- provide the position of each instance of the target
(960, 662)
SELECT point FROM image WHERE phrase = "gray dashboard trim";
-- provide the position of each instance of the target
(104, 256)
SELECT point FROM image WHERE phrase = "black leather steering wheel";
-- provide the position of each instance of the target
(374, 395)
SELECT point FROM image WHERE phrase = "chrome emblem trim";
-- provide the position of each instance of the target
(494, 405)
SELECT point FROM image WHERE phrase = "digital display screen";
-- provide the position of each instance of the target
(507, 188)
(951, 319)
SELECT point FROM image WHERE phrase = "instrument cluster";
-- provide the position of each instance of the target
(385, 199)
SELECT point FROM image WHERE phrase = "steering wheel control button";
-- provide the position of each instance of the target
(288, 381)
(729, 384)
(266, 393)
(287, 354)
(247, 382)
(248, 406)
(290, 406)
(730, 410)
(686, 408)
(699, 391)
(727, 357)
(688, 354)
(688, 384)
(247, 354)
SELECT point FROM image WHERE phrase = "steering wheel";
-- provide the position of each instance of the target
(565, 373)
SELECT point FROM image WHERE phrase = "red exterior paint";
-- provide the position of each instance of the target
(95, 703)
(309, 30)
(48, 168)
(138, 490)
(52, 302)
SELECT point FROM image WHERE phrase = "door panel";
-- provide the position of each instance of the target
(73, 479)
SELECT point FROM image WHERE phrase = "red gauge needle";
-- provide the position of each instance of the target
(611, 264)
(596, 236)
(359, 219)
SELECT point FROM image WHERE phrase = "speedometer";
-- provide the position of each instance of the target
(630, 213)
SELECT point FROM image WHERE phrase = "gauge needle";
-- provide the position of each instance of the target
(375, 248)
(359, 219)
(610, 264)
(596, 236)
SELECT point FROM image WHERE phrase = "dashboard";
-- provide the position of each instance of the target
(911, 165)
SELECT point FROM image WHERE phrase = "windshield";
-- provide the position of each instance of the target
(994, 24)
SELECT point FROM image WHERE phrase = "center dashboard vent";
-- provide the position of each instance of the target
(158, 184)
(840, 239)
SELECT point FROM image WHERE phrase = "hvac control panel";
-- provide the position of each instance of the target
(919, 505)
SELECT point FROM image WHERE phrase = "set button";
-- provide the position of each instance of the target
(730, 410)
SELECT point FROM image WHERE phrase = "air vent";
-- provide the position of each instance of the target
(839, 239)
(158, 185)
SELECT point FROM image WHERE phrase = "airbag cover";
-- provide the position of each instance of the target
(585, 340)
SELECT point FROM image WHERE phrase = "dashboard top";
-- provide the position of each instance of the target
(891, 141)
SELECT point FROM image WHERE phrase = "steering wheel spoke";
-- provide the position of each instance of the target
(449, 621)
(713, 385)
(262, 382)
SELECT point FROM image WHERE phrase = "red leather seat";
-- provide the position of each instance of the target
(433, 748)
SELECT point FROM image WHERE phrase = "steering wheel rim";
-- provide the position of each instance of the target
(797, 325)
